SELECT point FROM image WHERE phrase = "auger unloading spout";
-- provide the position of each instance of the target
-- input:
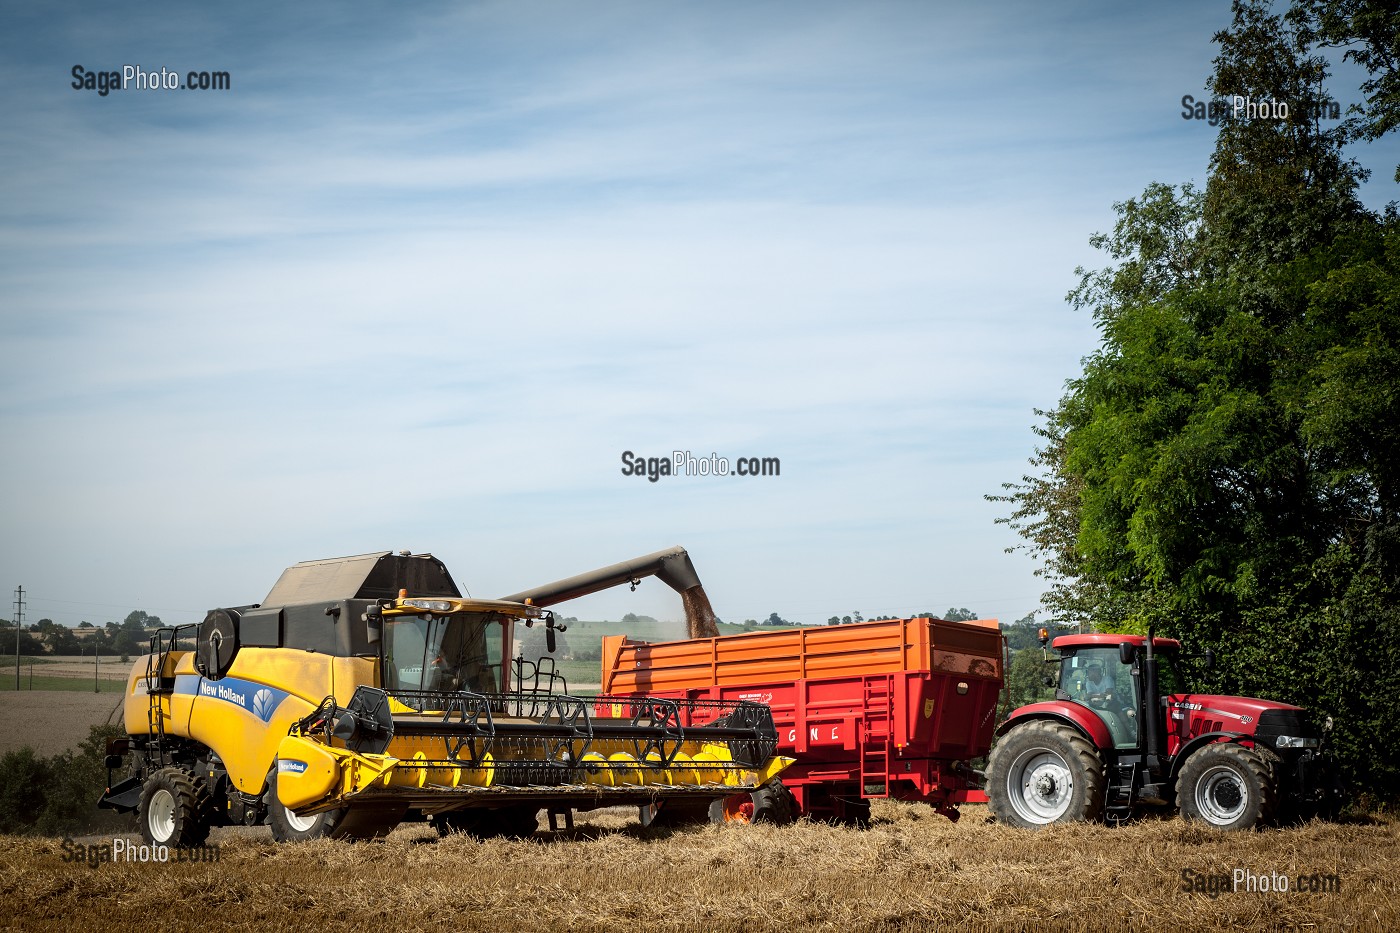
(672, 567)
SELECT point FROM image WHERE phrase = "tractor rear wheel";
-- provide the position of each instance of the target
(1045, 772)
(1228, 786)
(174, 809)
(771, 803)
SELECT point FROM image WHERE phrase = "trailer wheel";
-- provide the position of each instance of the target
(1045, 772)
(1228, 786)
(771, 803)
(174, 809)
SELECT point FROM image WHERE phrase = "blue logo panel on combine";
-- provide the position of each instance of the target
(260, 700)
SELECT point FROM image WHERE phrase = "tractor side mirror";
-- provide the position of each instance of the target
(1126, 651)
(1049, 681)
(374, 624)
(1210, 658)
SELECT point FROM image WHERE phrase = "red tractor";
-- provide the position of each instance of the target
(1123, 733)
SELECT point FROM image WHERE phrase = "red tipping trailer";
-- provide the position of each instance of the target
(891, 708)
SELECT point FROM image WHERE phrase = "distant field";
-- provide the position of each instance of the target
(76, 683)
(911, 870)
(587, 636)
(52, 721)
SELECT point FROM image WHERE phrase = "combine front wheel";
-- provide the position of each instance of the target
(1228, 786)
(288, 826)
(1044, 772)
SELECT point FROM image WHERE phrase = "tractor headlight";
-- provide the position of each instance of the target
(1295, 741)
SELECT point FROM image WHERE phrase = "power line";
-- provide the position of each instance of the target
(19, 627)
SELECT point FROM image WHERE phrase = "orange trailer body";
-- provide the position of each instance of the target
(891, 708)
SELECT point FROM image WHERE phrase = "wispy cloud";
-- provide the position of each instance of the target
(423, 275)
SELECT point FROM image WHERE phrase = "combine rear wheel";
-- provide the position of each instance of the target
(1228, 786)
(174, 809)
(1045, 772)
(771, 803)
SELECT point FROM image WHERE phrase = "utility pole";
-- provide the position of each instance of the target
(19, 627)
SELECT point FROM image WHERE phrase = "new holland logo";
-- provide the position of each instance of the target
(263, 704)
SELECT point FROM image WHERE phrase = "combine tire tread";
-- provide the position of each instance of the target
(174, 810)
(288, 827)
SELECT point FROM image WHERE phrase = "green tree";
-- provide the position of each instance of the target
(1225, 467)
(1369, 30)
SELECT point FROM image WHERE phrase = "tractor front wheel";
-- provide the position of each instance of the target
(174, 809)
(1228, 786)
(1045, 772)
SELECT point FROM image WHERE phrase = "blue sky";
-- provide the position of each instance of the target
(420, 277)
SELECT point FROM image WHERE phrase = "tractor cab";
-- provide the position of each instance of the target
(1104, 674)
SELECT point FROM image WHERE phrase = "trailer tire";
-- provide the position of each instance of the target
(771, 803)
(174, 809)
(1228, 786)
(1044, 772)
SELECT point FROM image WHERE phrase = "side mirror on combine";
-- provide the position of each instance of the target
(1126, 650)
(374, 624)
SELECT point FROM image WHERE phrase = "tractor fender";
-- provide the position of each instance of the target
(1071, 714)
(1205, 738)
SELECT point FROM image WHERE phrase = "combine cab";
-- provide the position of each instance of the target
(366, 691)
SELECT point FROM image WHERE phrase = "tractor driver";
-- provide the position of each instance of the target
(1095, 680)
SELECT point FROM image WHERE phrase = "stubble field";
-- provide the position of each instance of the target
(911, 870)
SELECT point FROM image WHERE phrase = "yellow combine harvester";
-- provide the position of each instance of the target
(365, 691)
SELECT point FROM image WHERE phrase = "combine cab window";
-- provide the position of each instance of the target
(1096, 678)
(444, 653)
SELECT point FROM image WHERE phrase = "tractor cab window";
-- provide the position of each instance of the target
(443, 653)
(1096, 678)
(1170, 681)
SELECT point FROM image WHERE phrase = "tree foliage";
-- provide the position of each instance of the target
(1225, 467)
